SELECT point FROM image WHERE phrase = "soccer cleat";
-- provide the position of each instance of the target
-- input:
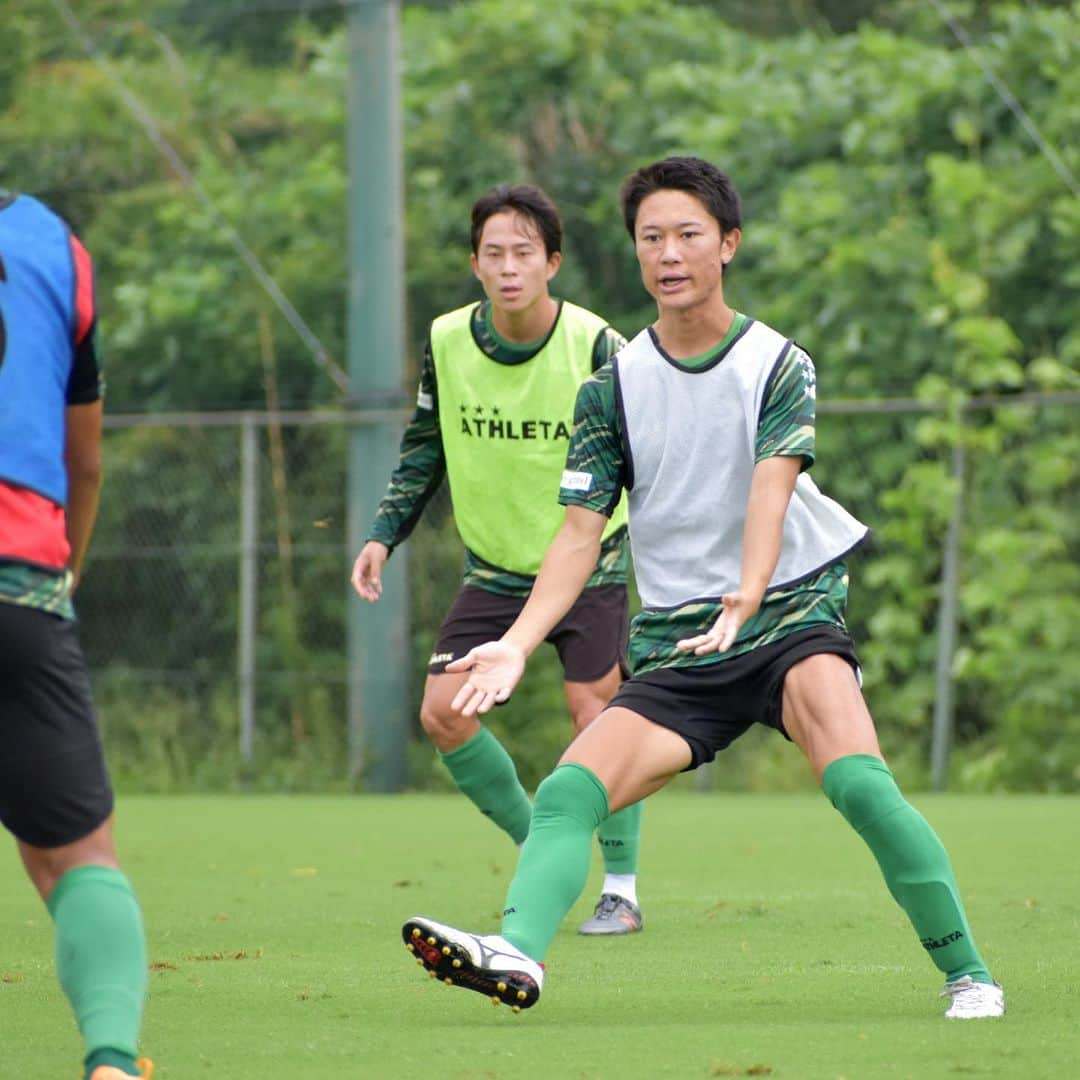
(973, 1000)
(488, 964)
(613, 915)
(111, 1072)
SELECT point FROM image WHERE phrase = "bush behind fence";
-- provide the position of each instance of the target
(162, 607)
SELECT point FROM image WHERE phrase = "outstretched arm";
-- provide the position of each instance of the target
(495, 667)
(771, 486)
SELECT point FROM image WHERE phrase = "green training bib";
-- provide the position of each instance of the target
(505, 430)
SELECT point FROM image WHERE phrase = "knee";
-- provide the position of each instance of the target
(587, 700)
(585, 706)
(571, 791)
(46, 866)
(551, 794)
(582, 714)
(445, 728)
(862, 789)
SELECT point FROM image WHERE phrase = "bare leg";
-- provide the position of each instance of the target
(586, 700)
(46, 866)
(477, 761)
(825, 714)
(619, 835)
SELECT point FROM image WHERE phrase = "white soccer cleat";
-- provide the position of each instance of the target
(973, 1000)
(488, 964)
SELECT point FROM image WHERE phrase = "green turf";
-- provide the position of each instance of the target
(770, 948)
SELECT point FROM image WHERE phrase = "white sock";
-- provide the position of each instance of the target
(624, 885)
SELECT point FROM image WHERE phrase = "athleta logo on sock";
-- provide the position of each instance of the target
(930, 944)
(612, 843)
(510, 911)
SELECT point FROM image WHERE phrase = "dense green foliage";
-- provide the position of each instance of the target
(900, 222)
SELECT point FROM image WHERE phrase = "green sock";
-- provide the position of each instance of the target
(554, 863)
(485, 772)
(101, 957)
(912, 858)
(620, 839)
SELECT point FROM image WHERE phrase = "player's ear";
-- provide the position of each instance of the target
(729, 244)
(475, 265)
(553, 264)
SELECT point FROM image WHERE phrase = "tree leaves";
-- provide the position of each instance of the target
(900, 222)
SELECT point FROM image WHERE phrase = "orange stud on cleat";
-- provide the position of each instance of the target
(496, 1001)
(515, 1008)
(416, 931)
(431, 941)
(432, 975)
(411, 947)
(446, 950)
(501, 987)
(457, 963)
(522, 995)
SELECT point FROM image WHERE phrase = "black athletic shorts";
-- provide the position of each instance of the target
(590, 640)
(711, 705)
(54, 788)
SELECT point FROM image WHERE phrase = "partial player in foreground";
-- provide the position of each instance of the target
(493, 414)
(55, 795)
(706, 419)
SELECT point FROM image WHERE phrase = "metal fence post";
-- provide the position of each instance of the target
(946, 631)
(248, 592)
(378, 634)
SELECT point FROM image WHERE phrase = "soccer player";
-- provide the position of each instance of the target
(706, 419)
(493, 414)
(55, 795)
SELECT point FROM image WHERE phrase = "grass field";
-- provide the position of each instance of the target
(771, 947)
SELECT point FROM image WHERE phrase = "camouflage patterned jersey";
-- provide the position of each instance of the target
(786, 428)
(422, 466)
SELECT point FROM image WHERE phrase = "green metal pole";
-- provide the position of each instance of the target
(941, 744)
(247, 621)
(378, 640)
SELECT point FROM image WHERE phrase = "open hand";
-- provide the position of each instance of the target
(721, 635)
(494, 670)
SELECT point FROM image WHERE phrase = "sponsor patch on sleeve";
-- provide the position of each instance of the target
(424, 400)
(576, 481)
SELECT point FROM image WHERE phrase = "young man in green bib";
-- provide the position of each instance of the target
(493, 414)
(706, 420)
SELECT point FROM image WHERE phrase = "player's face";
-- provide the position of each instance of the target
(681, 250)
(512, 263)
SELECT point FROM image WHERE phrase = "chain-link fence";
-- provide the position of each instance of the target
(215, 590)
(213, 612)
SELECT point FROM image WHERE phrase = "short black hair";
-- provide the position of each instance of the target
(524, 199)
(690, 174)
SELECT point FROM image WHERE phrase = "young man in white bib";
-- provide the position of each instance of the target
(706, 421)
(493, 415)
